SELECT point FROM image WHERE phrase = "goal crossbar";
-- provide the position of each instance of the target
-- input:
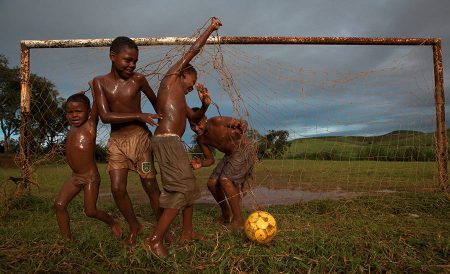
(170, 41)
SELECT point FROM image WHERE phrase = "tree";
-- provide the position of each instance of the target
(194, 148)
(9, 102)
(253, 135)
(47, 120)
(274, 144)
(47, 115)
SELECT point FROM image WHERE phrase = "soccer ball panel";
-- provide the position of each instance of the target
(260, 227)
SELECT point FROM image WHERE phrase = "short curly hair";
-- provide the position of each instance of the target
(122, 42)
(79, 98)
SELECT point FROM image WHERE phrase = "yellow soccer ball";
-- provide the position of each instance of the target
(260, 227)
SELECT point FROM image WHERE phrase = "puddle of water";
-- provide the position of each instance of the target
(264, 196)
(386, 191)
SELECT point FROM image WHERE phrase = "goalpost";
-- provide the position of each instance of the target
(441, 146)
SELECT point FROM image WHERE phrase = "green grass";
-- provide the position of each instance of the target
(305, 174)
(403, 231)
(398, 234)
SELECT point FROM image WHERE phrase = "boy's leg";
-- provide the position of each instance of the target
(150, 186)
(188, 232)
(234, 199)
(152, 189)
(90, 208)
(217, 192)
(123, 202)
(67, 192)
(155, 241)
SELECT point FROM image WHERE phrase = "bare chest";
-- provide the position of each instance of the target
(80, 140)
(123, 97)
(220, 139)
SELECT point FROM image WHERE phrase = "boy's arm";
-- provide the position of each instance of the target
(196, 47)
(113, 117)
(203, 95)
(94, 109)
(196, 163)
(148, 91)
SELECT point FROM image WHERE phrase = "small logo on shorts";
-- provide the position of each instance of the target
(146, 167)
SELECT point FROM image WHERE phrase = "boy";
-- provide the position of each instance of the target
(118, 96)
(178, 180)
(80, 148)
(226, 134)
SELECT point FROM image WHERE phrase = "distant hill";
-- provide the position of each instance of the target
(399, 145)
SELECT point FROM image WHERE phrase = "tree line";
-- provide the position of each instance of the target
(47, 120)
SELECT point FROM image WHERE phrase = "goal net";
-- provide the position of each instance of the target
(331, 121)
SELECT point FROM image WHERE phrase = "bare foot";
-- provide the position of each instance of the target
(131, 239)
(68, 240)
(223, 220)
(186, 237)
(169, 239)
(116, 229)
(156, 246)
(236, 224)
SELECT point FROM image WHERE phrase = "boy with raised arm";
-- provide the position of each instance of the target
(118, 95)
(227, 134)
(178, 180)
(80, 149)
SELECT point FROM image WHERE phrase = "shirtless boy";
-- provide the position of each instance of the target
(80, 147)
(178, 180)
(226, 134)
(118, 96)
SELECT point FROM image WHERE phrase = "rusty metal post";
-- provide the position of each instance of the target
(25, 117)
(441, 132)
(237, 40)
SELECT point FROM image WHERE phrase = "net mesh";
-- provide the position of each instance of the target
(328, 126)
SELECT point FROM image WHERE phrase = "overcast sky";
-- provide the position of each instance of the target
(318, 100)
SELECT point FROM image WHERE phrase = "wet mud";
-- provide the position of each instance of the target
(263, 196)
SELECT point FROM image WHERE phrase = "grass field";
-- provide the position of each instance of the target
(400, 145)
(399, 223)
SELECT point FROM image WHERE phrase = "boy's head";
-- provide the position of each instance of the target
(188, 77)
(198, 126)
(124, 55)
(122, 42)
(78, 108)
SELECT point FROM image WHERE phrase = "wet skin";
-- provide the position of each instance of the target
(225, 134)
(171, 105)
(118, 96)
(80, 144)
(80, 148)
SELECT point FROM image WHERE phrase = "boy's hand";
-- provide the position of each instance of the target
(91, 86)
(148, 118)
(215, 23)
(203, 94)
(196, 163)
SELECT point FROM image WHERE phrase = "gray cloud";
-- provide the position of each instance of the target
(324, 99)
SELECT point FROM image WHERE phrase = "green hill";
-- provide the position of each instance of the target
(399, 145)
